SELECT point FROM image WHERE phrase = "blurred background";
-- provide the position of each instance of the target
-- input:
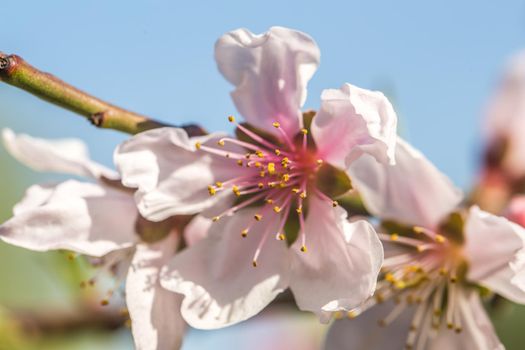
(438, 62)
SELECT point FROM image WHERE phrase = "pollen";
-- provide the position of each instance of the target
(281, 237)
(319, 161)
(338, 315)
(285, 161)
(198, 145)
(236, 191)
(352, 314)
(258, 164)
(211, 190)
(276, 124)
(295, 190)
(335, 203)
(439, 238)
(394, 237)
(271, 168)
(244, 233)
(277, 209)
(259, 154)
(299, 210)
(304, 131)
(262, 174)
(260, 185)
(218, 184)
(418, 229)
(231, 119)
(215, 218)
(220, 142)
(254, 263)
(104, 302)
(286, 177)
(303, 195)
(269, 201)
(304, 249)
(239, 162)
(277, 152)
(258, 217)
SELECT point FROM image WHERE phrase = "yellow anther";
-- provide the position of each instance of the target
(215, 218)
(389, 277)
(352, 314)
(453, 279)
(304, 131)
(442, 271)
(236, 191)
(258, 217)
(286, 177)
(220, 142)
(244, 233)
(231, 118)
(104, 302)
(284, 162)
(299, 210)
(304, 249)
(211, 190)
(272, 184)
(260, 185)
(303, 195)
(276, 124)
(400, 284)
(394, 237)
(379, 298)
(458, 330)
(418, 229)
(262, 174)
(218, 184)
(259, 154)
(269, 201)
(420, 248)
(439, 238)
(247, 155)
(335, 203)
(281, 237)
(254, 263)
(258, 164)
(319, 161)
(277, 209)
(271, 168)
(239, 162)
(450, 325)
(338, 315)
(282, 184)
(198, 145)
(277, 152)
(295, 190)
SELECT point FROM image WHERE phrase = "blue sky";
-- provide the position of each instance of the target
(438, 61)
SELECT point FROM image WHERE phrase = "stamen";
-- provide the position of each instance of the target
(285, 136)
(258, 217)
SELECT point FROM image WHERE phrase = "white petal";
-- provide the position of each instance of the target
(340, 268)
(495, 251)
(69, 156)
(172, 177)
(216, 275)
(477, 330)
(84, 217)
(154, 311)
(361, 121)
(197, 229)
(364, 332)
(413, 191)
(270, 72)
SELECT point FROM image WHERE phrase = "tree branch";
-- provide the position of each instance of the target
(17, 72)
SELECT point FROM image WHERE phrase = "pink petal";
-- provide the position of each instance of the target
(69, 156)
(197, 229)
(340, 268)
(84, 217)
(495, 251)
(361, 121)
(172, 177)
(216, 276)
(154, 311)
(270, 72)
(413, 191)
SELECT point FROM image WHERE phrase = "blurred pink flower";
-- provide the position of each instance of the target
(95, 218)
(516, 210)
(263, 176)
(437, 258)
(505, 120)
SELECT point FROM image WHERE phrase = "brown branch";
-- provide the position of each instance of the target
(17, 72)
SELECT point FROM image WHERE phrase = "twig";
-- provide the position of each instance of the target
(17, 72)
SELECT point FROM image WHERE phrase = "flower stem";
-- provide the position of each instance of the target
(17, 72)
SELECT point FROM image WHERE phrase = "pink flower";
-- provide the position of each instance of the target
(516, 210)
(95, 218)
(505, 120)
(268, 177)
(438, 259)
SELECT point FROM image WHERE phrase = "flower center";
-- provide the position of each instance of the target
(278, 174)
(426, 273)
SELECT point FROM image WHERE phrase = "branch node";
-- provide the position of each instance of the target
(4, 62)
(97, 119)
